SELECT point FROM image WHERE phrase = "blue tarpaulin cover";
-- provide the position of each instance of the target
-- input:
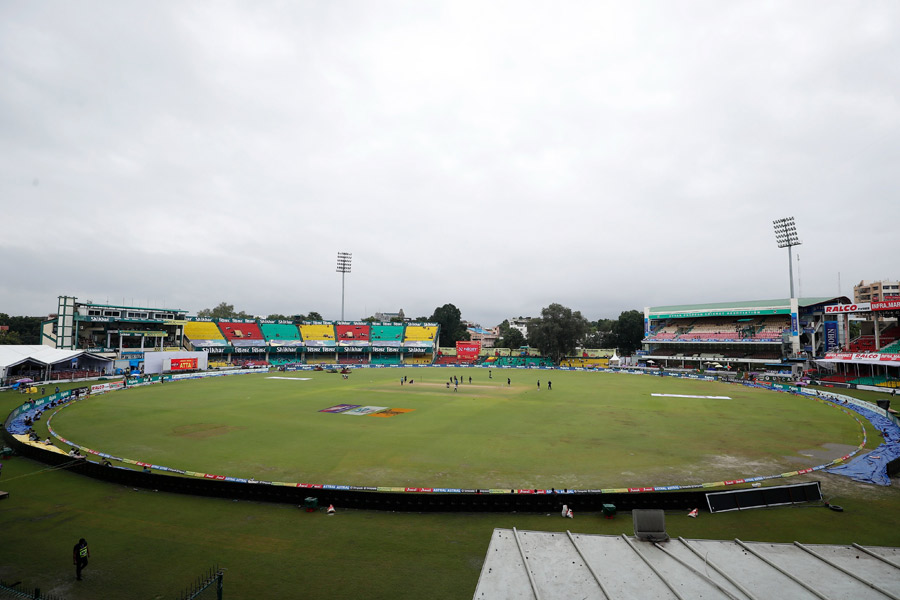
(872, 467)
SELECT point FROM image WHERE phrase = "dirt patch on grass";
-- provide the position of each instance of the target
(201, 431)
(824, 454)
(712, 468)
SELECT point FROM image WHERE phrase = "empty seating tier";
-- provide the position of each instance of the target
(317, 332)
(202, 330)
(386, 333)
(352, 333)
(344, 359)
(386, 359)
(522, 361)
(892, 348)
(234, 331)
(276, 332)
(761, 329)
(590, 362)
(281, 360)
(417, 360)
(418, 333)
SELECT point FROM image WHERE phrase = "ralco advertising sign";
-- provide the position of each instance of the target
(848, 308)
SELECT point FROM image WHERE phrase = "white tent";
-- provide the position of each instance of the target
(45, 358)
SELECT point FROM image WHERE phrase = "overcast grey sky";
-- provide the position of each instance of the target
(500, 156)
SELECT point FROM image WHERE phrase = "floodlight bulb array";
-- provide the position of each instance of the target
(343, 262)
(786, 232)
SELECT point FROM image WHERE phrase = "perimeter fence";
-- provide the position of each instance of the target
(208, 586)
(15, 591)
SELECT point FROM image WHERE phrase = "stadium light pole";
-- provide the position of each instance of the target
(786, 236)
(343, 267)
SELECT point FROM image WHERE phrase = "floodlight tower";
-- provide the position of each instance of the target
(786, 236)
(343, 267)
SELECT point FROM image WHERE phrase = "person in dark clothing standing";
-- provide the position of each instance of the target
(80, 555)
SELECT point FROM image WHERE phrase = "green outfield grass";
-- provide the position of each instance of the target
(151, 545)
(593, 430)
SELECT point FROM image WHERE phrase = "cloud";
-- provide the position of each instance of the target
(498, 157)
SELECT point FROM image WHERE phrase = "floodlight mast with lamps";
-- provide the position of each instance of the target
(343, 267)
(786, 237)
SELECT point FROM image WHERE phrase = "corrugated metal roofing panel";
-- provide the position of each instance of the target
(629, 569)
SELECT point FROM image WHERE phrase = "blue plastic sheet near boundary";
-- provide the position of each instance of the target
(872, 467)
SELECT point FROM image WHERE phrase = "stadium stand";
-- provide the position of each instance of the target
(748, 335)
(891, 348)
(667, 352)
(458, 360)
(416, 333)
(879, 380)
(446, 359)
(317, 333)
(417, 360)
(242, 334)
(344, 359)
(717, 329)
(73, 374)
(765, 355)
(278, 361)
(280, 332)
(322, 360)
(251, 362)
(521, 361)
(386, 359)
(888, 339)
(584, 363)
(393, 334)
(839, 378)
(770, 329)
(669, 332)
(866, 343)
(352, 333)
(202, 330)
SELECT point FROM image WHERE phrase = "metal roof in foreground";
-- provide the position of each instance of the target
(549, 565)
